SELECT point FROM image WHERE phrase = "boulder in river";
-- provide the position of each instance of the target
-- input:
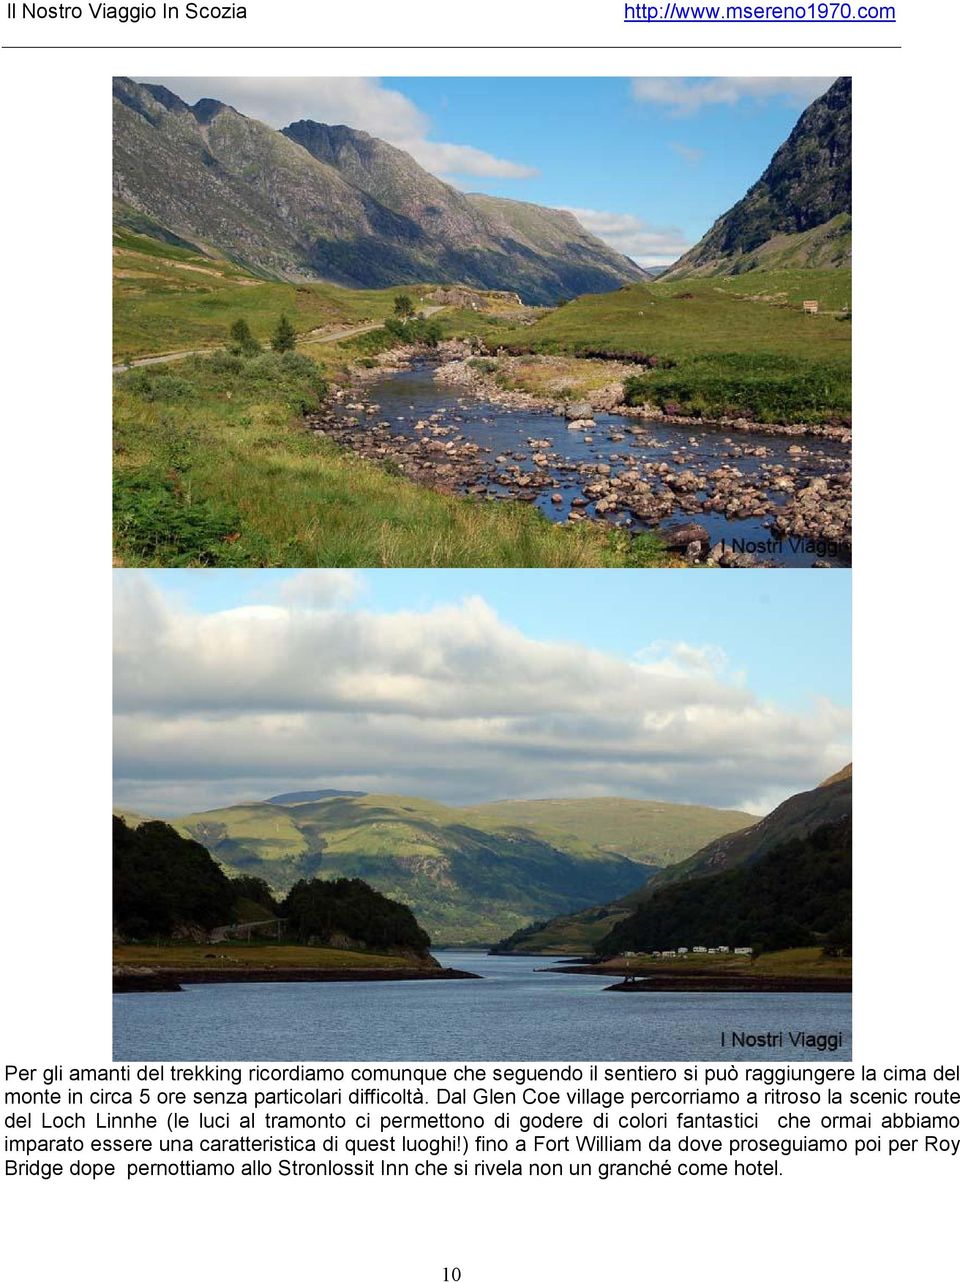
(679, 537)
(577, 409)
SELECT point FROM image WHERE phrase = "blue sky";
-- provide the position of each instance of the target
(647, 163)
(788, 632)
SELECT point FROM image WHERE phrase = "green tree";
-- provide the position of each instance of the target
(242, 341)
(403, 306)
(284, 336)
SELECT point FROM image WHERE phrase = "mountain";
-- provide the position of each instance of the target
(653, 833)
(797, 893)
(796, 818)
(470, 876)
(321, 202)
(798, 214)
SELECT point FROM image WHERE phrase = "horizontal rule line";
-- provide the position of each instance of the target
(332, 48)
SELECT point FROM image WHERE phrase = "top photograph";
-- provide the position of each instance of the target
(473, 322)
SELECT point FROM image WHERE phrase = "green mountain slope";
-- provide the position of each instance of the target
(654, 833)
(470, 877)
(795, 819)
(805, 188)
(331, 203)
(796, 894)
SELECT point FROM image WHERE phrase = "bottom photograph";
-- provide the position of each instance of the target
(482, 815)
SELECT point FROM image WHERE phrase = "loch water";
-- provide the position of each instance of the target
(516, 1011)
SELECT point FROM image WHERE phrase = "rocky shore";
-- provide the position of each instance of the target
(803, 494)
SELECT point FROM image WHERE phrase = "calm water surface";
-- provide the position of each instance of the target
(513, 1013)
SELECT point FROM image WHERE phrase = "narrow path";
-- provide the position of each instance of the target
(313, 336)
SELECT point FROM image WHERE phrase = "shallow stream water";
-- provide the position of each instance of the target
(414, 395)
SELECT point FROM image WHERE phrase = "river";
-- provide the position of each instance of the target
(771, 468)
(514, 1013)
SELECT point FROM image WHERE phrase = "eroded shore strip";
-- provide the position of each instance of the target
(694, 981)
(172, 981)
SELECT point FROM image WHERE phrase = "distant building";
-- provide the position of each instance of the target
(811, 306)
(744, 951)
(698, 949)
(681, 951)
(669, 952)
(629, 954)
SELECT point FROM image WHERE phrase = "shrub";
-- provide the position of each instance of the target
(765, 388)
(159, 384)
(242, 340)
(156, 517)
(284, 336)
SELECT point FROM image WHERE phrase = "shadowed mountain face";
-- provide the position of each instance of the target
(470, 876)
(794, 821)
(331, 203)
(795, 894)
(796, 818)
(798, 213)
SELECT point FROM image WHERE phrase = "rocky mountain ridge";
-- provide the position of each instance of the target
(322, 202)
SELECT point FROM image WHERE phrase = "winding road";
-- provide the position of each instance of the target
(314, 336)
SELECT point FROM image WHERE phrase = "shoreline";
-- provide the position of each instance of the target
(708, 982)
(172, 980)
(449, 361)
(452, 367)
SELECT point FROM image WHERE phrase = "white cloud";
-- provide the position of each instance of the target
(635, 237)
(450, 703)
(359, 101)
(684, 95)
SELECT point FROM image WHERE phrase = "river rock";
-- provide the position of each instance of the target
(679, 537)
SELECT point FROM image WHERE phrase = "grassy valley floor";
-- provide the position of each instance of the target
(165, 967)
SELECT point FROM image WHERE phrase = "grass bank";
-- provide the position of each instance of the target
(214, 465)
(736, 346)
(235, 954)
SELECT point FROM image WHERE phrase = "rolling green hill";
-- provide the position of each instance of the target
(654, 833)
(471, 875)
